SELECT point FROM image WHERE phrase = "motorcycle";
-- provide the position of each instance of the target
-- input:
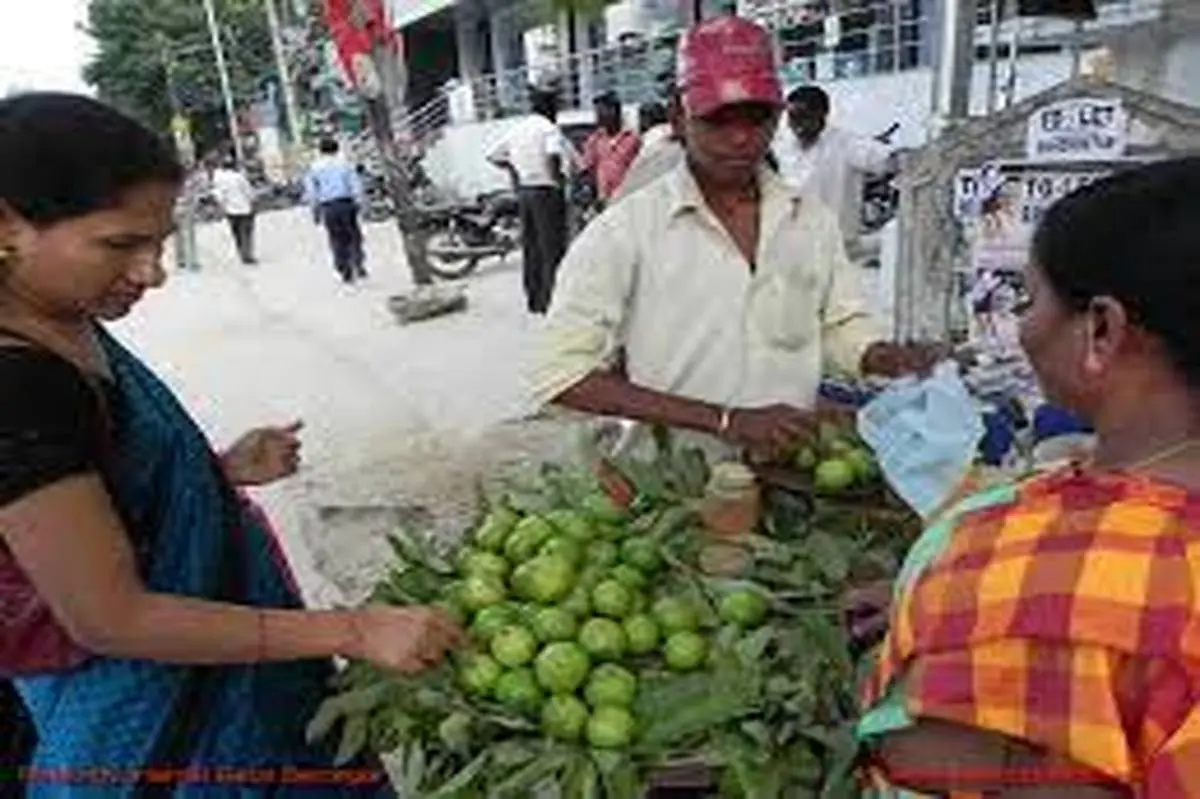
(458, 238)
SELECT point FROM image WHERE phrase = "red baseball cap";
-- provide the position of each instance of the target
(727, 61)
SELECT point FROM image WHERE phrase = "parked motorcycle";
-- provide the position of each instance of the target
(459, 237)
(881, 198)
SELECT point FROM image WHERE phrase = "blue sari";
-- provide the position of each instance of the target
(193, 536)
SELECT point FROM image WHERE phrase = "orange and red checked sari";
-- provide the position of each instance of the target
(1064, 612)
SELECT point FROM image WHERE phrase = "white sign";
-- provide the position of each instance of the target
(972, 187)
(1003, 219)
(1080, 129)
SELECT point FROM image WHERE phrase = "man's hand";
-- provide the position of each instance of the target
(867, 610)
(264, 455)
(885, 359)
(770, 433)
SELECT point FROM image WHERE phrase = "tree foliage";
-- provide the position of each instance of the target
(137, 40)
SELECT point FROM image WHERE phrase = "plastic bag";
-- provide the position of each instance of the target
(925, 434)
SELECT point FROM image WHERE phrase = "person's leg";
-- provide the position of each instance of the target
(358, 256)
(335, 227)
(241, 226)
(530, 250)
(250, 257)
(235, 232)
(545, 219)
(554, 241)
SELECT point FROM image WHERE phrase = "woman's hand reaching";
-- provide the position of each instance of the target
(407, 640)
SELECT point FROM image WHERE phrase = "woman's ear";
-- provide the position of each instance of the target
(10, 227)
(1107, 331)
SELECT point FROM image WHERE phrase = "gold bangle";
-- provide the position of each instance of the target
(261, 654)
(726, 422)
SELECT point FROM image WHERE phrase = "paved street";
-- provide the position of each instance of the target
(394, 415)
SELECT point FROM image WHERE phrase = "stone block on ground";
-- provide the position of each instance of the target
(427, 303)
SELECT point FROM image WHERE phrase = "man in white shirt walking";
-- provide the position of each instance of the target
(827, 162)
(535, 155)
(713, 299)
(234, 194)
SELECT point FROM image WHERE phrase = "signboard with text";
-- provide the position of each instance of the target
(1002, 205)
(1079, 129)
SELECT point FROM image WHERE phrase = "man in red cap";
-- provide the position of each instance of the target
(713, 299)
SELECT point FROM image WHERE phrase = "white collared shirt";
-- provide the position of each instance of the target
(658, 276)
(233, 192)
(832, 170)
(529, 146)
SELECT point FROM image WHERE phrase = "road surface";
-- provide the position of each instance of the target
(395, 416)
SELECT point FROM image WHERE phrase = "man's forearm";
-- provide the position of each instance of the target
(609, 394)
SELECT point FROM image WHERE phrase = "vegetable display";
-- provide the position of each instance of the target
(603, 660)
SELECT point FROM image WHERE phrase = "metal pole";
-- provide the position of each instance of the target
(955, 63)
(285, 80)
(1014, 49)
(994, 56)
(185, 234)
(1077, 49)
(223, 73)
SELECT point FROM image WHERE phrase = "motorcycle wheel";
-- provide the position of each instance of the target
(448, 268)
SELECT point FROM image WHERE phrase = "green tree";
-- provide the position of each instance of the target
(136, 39)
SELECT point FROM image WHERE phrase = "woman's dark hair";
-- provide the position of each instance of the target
(1133, 236)
(64, 156)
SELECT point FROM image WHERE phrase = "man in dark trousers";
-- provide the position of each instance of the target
(334, 191)
(533, 154)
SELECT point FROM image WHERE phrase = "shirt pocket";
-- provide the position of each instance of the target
(785, 310)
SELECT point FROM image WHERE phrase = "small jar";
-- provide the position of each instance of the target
(732, 504)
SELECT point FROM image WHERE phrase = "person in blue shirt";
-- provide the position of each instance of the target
(334, 191)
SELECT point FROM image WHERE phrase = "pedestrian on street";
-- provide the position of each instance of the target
(610, 149)
(661, 151)
(536, 156)
(334, 191)
(712, 299)
(153, 621)
(829, 163)
(234, 194)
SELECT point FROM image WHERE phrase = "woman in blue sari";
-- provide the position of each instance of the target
(150, 621)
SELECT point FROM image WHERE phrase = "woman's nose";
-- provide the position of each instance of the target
(147, 270)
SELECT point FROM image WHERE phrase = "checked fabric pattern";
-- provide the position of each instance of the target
(1068, 617)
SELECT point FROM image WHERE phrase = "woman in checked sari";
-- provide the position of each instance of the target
(1044, 638)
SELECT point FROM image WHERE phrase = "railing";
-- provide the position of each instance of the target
(814, 44)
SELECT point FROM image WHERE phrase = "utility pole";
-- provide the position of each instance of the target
(185, 234)
(381, 83)
(285, 80)
(997, 17)
(223, 73)
(954, 64)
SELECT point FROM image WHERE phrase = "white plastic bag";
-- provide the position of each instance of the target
(925, 434)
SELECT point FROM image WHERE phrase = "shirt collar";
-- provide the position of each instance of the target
(776, 193)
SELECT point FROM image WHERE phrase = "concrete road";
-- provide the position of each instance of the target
(395, 416)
